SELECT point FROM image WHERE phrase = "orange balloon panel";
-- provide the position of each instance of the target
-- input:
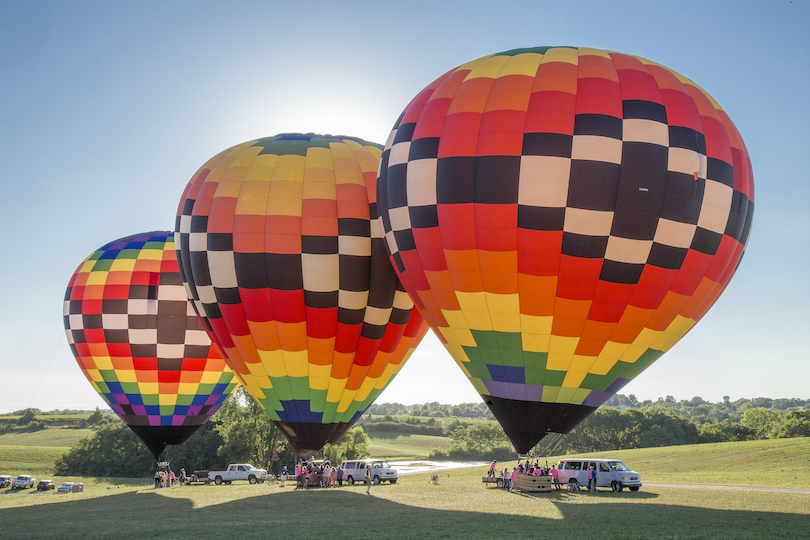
(561, 217)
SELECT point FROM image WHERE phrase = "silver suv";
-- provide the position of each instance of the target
(610, 473)
(354, 470)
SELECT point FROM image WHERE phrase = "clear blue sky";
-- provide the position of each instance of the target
(107, 108)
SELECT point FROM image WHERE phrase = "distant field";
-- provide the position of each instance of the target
(395, 445)
(35, 460)
(53, 436)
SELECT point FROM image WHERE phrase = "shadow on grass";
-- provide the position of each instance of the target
(351, 514)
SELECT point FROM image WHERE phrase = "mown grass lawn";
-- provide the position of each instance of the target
(458, 507)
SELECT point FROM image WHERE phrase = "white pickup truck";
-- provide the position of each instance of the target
(238, 471)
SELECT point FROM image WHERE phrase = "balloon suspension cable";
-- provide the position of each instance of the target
(550, 444)
(61, 337)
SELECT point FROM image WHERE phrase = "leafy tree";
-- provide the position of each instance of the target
(29, 415)
(763, 422)
(247, 433)
(358, 445)
(199, 452)
(113, 450)
(95, 418)
(723, 431)
(795, 424)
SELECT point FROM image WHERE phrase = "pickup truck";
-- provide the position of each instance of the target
(238, 471)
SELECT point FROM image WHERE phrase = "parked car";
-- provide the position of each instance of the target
(238, 471)
(23, 481)
(45, 485)
(65, 488)
(5, 480)
(354, 470)
(610, 473)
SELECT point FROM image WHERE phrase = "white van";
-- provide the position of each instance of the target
(610, 473)
(354, 470)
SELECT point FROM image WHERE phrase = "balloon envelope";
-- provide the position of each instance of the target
(561, 217)
(138, 341)
(293, 282)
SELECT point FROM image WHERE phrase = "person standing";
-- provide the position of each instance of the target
(369, 479)
(283, 476)
(333, 481)
(298, 480)
(340, 476)
(491, 473)
(513, 485)
(592, 479)
(554, 475)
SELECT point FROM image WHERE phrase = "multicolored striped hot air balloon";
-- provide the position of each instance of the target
(289, 273)
(139, 342)
(562, 217)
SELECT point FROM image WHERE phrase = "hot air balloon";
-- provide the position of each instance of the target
(290, 276)
(139, 342)
(562, 217)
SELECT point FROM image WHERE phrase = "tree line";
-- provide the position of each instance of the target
(241, 432)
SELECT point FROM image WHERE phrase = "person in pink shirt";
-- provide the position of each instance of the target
(554, 474)
(514, 480)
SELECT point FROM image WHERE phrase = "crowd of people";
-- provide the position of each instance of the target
(167, 478)
(531, 469)
(311, 474)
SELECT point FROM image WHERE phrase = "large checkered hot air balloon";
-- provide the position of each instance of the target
(290, 275)
(561, 217)
(138, 341)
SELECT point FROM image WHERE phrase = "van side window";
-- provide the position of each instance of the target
(603, 467)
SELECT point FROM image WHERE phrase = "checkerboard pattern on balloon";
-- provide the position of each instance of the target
(292, 278)
(137, 338)
(562, 216)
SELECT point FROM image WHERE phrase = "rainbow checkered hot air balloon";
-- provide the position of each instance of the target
(562, 217)
(139, 342)
(289, 273)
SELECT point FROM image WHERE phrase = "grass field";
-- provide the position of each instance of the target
(52, 436)
(405, 445)
(771, 462)
(458, 507)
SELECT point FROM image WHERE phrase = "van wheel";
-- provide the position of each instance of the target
(350, 481)
(634, 488)
(617, 486)
(376, 480)
(573, 485)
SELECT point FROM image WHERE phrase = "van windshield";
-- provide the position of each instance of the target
(381, 465)
(618, 466)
